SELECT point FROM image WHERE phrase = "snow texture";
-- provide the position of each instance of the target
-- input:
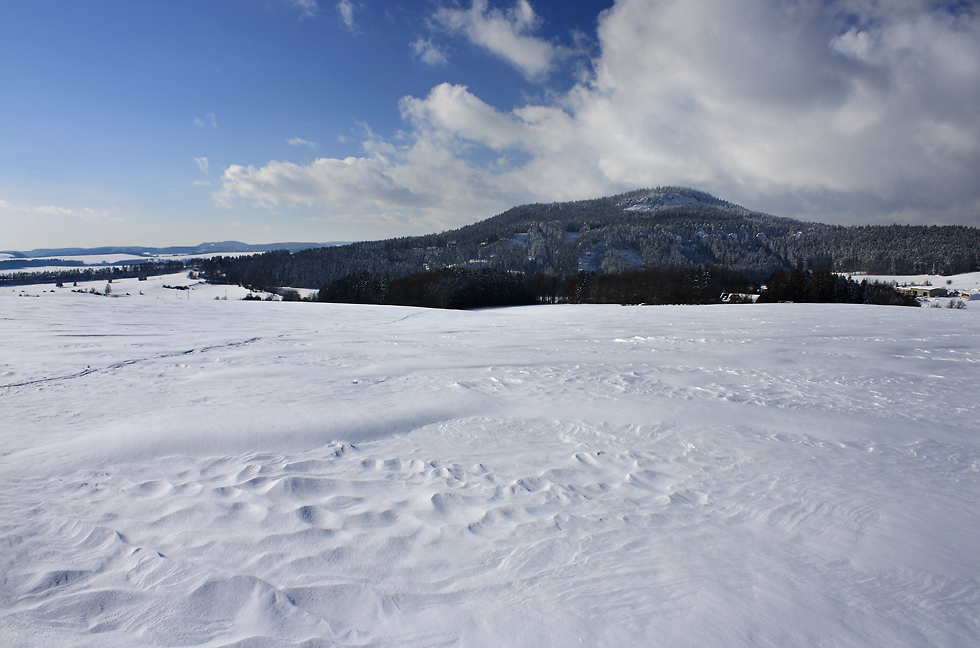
(656, 200)
(190, 472)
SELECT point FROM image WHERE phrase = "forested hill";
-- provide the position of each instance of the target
(667, 226)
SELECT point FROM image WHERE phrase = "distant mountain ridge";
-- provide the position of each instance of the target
(647, 228)
(222, 247)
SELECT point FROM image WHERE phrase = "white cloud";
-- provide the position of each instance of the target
(307, 8)
(769, 102)
(207, 120)
(41, 213)
(507, 34)
(54, 210)
(429, 53)
(840, 111)
(324, 181)
(73, 216)
(455, 112)
(422, 184)
(346, 10)
(299, 141)
(202, 164)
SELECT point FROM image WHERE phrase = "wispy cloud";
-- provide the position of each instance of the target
(426, 51)
(299, 141)
(207, 120)
(202, 164)
(852, 110)
(506, 33)
(41, 212)
(79, 217)
(307, 8)
(346, 10)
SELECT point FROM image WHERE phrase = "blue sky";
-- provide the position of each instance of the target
(159, 123)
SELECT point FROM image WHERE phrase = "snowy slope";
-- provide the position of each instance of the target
(968, 281)
(184, 471)
(170, 286)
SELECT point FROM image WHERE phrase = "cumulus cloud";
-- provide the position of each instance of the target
(851, 110)
(505, 33)
(451, 110)
(324, 181)
(764, 97)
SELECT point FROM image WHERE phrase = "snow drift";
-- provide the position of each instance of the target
(222, 473)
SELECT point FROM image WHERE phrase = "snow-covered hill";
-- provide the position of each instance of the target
(160, 287)
(652, 200)
(184, 471)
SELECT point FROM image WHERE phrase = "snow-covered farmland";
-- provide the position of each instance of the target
(968, 281)
(183, 471)
(161, 287)
(966, 286)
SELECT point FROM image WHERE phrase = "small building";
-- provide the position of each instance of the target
(739, 298)
(925, 291)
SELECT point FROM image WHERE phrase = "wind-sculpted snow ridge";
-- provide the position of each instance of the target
(274, 474)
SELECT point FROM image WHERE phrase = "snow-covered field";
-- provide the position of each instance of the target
(171, 286)
(182, 471)
(966, 284)
(968, 281)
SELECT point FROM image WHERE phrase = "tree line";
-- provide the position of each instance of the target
(823, 286)
(462, 289)
(457, 289)
(104, 273)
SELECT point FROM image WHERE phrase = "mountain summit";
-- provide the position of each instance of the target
(650, 201)
(648, 228)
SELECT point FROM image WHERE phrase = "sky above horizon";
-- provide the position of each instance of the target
(151, 123)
